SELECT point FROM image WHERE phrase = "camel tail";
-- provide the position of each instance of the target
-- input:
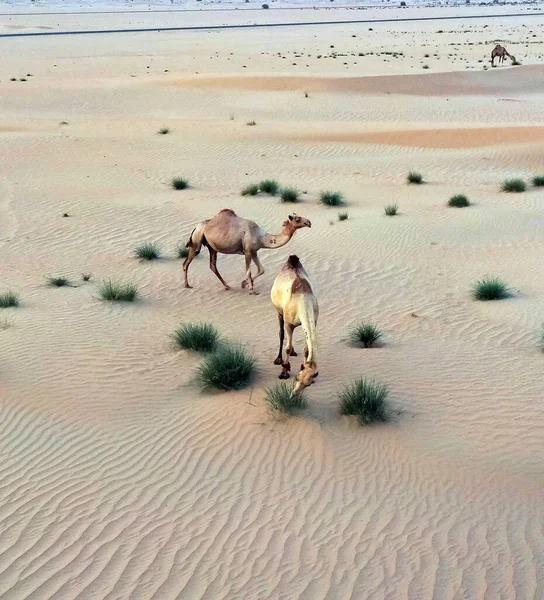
(190, 242)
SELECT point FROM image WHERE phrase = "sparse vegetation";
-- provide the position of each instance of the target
(538, 181)
(251, 123)
(414, 177)
(459, 201)
(57, 281)
(514, 185)
(250, 190)
(200, 337)
(164, 130)
(149, 251)
(290, 195)
(515, 63)
(118, 292)
(425, 67)
(269, 186)
(366, 400)
(9, 300)
(343, 216)
(86, 276)
(64, 123)
(365, 334)
(228, 368)
(331, 198)
(282, 401)
(391, 210)
(180, 183)
(6, 323)
(182, 251)
(490, 288)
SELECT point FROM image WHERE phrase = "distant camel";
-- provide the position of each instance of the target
(293, 297)
(500, 52)
(227, 233)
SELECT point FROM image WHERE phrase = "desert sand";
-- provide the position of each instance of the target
(119, 477)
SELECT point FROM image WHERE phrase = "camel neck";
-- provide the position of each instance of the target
(277, 241)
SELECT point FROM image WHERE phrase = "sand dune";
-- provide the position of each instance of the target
(119, 478)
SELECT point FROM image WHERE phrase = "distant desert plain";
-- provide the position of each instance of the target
(119, 476)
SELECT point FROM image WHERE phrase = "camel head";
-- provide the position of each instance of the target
(308, 372)
(297, 222)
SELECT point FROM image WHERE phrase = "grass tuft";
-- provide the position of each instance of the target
(8, 300)
(391, 210)
(514, 185)
(86, 276)
(290, 195)
(490, 288)
(229, 368)
(251, 123)
(180, 183)
(269, 186)
(164, 130)
(280, 399)
(538, 181)
(459, 201)
(250, 190)
(148, 251)
(365, 334)
(200, 337)
(182, 251)
(414, 177)
(366, 400)
(57, 281)
(343, 216)
(6, 323)
(118, 292)
(331, 198)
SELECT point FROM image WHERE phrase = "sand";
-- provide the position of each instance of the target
(119, 478)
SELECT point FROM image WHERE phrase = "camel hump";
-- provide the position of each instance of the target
(293, 261)
(228, 211)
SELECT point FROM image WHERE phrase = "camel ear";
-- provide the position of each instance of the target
(291, 217)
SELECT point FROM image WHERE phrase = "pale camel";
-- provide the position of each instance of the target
(227, 233)
(294, 299)
(500, 52)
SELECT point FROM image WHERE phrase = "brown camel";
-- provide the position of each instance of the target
(294, 299)
(227, 233)
(500, 52)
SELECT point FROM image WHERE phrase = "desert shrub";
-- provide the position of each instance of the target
(86, 276)
(459, 201)
(200, 337)
(281, 400)
(6, 323)
(343, 216)
(251, 123)
(182, 251)
(538, 181)
(250, 190)
(148, 251)
(290, 195)
(265, 6)
(8, 300)
(515, 63)
(364, 399)
(118, 292)
(365, 334)
(490, 288)
(228, 368)
(425, 67)
(57, 281)
(331, 198)
(514, 185)
(164, 130)
(180, 183)
(391, 210)
(269, 186)
(414, 177)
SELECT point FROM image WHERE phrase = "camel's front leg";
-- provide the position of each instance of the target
(290, 350)
(249, 279)
(213, 267)
(279, 358)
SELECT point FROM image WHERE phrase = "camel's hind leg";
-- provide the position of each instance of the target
(186, 263)
(213, 267)
(290, 350)
(260, 269)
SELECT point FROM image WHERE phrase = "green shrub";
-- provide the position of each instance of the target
(180, 183)
(490, 288)
(365, 334)
(86, 276)
(343, 216)
(280, 399)
(57, 281)
(391, 210)
(8, 300)
(164, 130)
(250, 190)
(290, 195)
(148, 251)
(118, 292)
(366, 400)
(182, 251)
(414, 177)
(538, 181)
(228, 368)
(514, 185)
(200, 337)
(331, 198)
(459, 201)
(269, 186)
